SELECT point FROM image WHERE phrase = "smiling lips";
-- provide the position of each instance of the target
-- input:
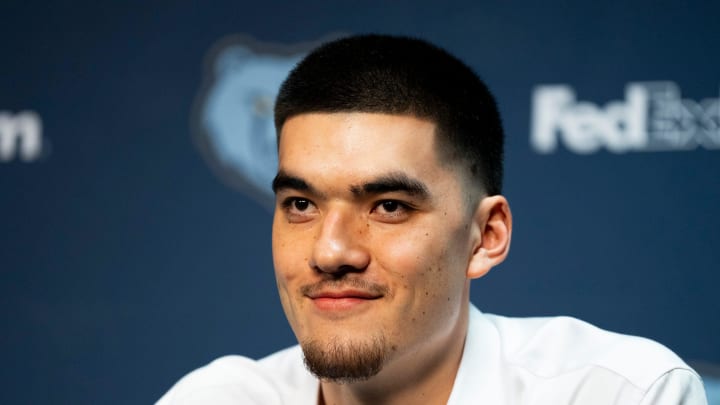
(341, 300)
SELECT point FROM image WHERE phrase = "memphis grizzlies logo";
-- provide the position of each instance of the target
(233, 115)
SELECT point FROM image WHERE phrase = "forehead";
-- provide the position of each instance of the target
(355, 143)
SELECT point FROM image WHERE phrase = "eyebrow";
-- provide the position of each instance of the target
(387, 183)
(284, 180)
(392, 182)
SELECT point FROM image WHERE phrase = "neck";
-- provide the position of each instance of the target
(424, 376)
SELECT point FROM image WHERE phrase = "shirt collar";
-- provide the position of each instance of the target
(480, 373)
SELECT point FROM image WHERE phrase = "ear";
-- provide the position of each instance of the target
(493, 227)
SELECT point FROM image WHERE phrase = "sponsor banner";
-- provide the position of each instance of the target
(652, 117)
(20, 136)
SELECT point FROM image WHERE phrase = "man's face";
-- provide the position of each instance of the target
(372, 238)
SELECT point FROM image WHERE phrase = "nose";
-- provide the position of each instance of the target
(340, 246)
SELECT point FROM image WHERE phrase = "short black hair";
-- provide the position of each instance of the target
(406, 76)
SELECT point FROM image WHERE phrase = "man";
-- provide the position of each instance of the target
(387, 205)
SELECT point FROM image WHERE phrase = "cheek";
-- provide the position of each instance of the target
(418, 265)
(288, 263)
(287, 254)
(428, 269)
(288, 283)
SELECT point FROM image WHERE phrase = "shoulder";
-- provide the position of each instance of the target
(552, 355)
(556, 345)
(238, 379)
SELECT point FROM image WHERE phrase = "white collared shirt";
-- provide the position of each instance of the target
(528, 361)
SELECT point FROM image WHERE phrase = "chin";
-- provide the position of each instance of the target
(345, 360)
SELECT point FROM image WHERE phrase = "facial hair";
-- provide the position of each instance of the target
(345, 361)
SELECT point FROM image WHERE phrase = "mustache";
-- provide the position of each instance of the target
(345, 284)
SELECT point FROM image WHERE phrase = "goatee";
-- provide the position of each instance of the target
(345, 361)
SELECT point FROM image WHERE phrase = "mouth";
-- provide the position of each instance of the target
(342, 300)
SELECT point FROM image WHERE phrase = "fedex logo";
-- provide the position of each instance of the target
(20, 136)
(652, 117)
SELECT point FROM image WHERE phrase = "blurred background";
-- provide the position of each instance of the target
(136, 148)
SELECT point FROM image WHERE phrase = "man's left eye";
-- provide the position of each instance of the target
(390, 206)
(391, 211)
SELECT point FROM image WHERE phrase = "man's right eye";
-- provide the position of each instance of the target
(298, 209)
(300, 204)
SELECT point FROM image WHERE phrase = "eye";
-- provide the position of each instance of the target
(391, 210)
(298, 209)
(300, 204)
(390, 206)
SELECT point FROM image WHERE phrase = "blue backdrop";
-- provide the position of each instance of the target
(135, 246)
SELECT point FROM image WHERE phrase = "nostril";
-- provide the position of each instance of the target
(349, 260)
(338, 274)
